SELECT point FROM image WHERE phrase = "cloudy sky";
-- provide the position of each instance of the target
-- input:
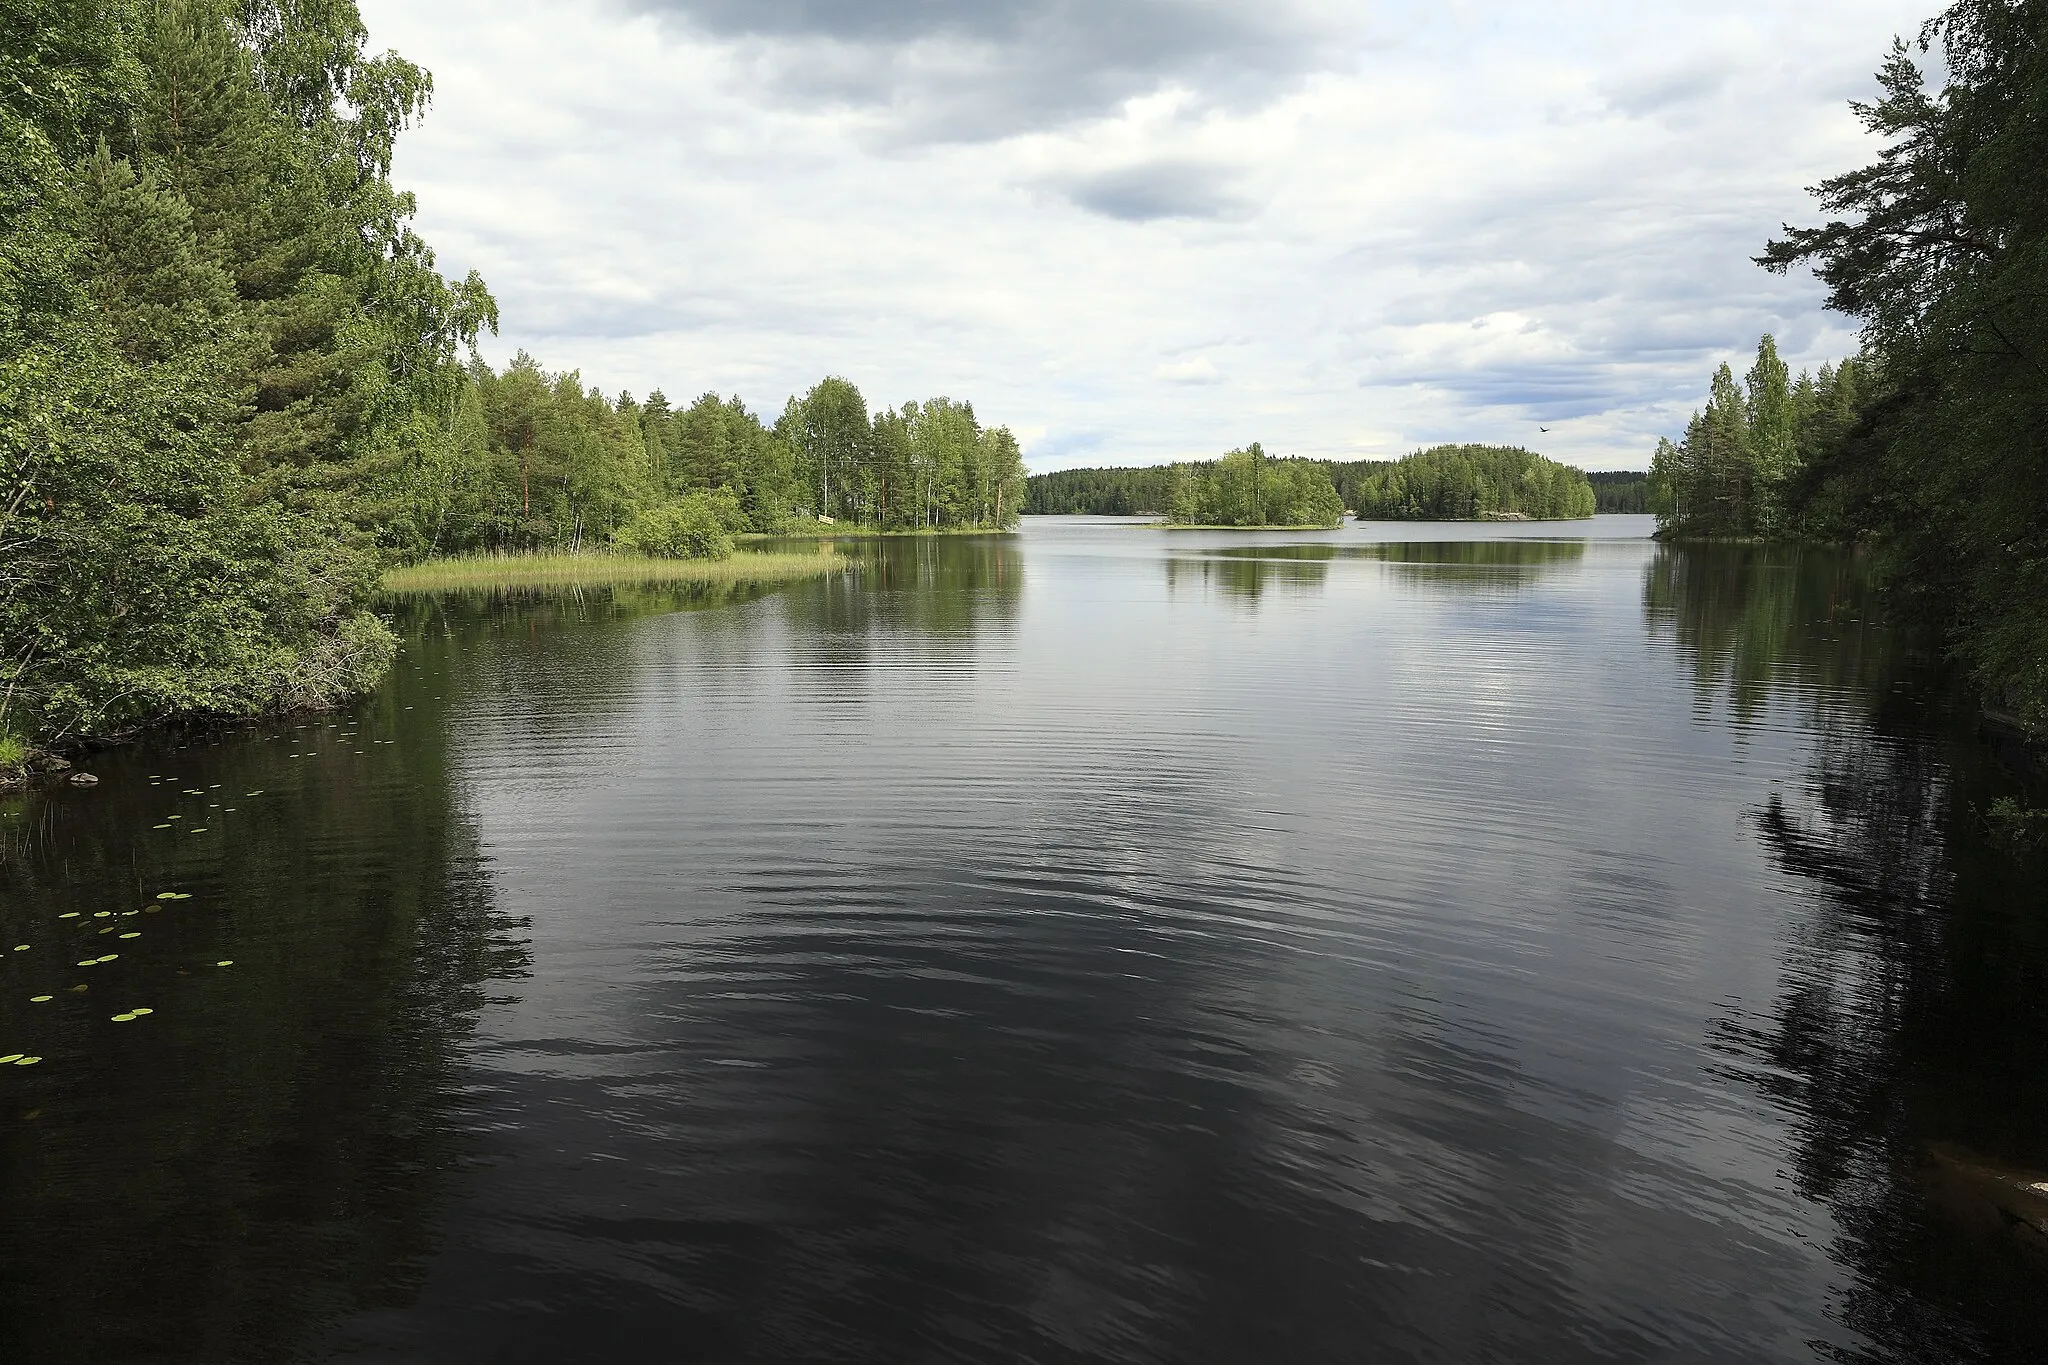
(1139, 230)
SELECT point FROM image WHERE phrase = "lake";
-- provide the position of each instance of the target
(1405, 943)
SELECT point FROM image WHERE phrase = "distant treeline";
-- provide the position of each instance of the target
(1620, 490)
(1444, 483)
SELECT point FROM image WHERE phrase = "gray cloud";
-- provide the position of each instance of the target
(1158, 189)
(968, 70)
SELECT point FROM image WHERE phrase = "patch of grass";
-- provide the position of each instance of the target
(472, 572)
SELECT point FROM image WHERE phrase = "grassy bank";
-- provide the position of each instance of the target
(591, 570)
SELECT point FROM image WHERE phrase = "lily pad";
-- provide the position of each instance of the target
(69, 914)
(124, 1018)
(90, 962)
(10, 1057)
(28, 1061)
(159, 826)
(108, 957)
(227, 963)
(138, 1013)
(131, 935)
(102, 914)
(41, 999)
(21, 947)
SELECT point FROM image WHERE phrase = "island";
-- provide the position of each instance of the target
(1247, 489)
(1474, 483)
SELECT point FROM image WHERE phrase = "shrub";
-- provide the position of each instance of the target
(689, 528)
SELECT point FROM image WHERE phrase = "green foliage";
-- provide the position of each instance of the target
(1474, 482)
(1249, 488)
(1941, 248)
(1746, 464)
(2016, 827)
(216, 333)
(691, 527)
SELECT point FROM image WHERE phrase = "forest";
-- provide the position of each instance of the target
(1250, 488)
(1620, 490)
(235, 388)
(1929, 445)
(1742, 467)
(1446, 483)
(1474, 482)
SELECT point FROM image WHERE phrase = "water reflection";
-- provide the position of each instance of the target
(1053, 976)
(270, 1146)
(1245, 574)
(1755, 622)
(1908, 1039)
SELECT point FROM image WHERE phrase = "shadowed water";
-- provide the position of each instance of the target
(1102, 944)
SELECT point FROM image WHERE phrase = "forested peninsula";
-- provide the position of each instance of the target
(235, 390)
(1444, 483)
(1931, 446)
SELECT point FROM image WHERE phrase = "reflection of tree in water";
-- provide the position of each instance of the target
(1910, 1035)
(1474, 565)
(1751, 617)
(1247, 574)
(935, 591)
(270, 1147)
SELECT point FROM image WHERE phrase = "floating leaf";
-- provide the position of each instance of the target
(200, 830)
(28, 1061)
(10, 1057)
(227, 963)
(80, 986)
(172, 896)
(21, 947)
(102, 914)
(41, 999)
(108, 957)
(159, 826)
(139, 1013)
(131, 935)
(90, 962)
(69, 914)
(124, 1018)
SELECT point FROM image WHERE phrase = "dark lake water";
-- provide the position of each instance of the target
(1406, 944)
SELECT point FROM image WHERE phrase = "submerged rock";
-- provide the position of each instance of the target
(84, 780)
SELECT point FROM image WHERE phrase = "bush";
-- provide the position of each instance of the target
(690, 528)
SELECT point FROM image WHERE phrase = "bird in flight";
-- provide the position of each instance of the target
(1543, 428)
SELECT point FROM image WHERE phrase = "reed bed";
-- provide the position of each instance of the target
(462, 572)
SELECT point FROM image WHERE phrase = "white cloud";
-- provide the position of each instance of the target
(1340, 230)
(1199, 370)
